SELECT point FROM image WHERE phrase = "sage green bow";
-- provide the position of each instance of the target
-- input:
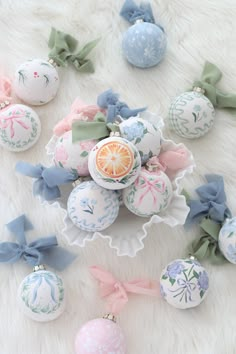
(62, 47)
(207, 245)
(97, 129)
(210, 76)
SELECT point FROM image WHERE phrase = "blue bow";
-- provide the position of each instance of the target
(47, 179)
(42, 251)
(131, 12)
(211, 203)
(110, 101)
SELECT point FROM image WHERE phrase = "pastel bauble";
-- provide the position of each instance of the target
(150, 194)
(191, 115)
(41, 296)
(92, 207)
(184, 283)
(20, 127)
(144, 44)
(227, 240)
(36, 82)
(114, 163)
(73, 156)
(144, 135)
(100, 336)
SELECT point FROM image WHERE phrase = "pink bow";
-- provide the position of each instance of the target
(116, 292)
(79, 111)
(10, 120)
(150, 186)
(5, 89)
(174, 161)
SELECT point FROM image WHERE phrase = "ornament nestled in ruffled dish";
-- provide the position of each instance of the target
(36, 81)
(104, 334)
(41, 294)
(192, 114)
(144, 43)
(20, 126)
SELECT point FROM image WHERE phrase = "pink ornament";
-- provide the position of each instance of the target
(100, 336)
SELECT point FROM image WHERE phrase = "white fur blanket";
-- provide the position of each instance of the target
(197, 31)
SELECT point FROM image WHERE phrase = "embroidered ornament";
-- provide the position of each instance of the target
(41, 294)
(227, 240)
(192, 114)
(104, 335)
(114, 163)
(144, 43)
(151, 192)
(92, 207)
(36, 81)
(184, 283)
(20, 126)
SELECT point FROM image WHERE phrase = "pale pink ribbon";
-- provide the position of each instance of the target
(116, 292)
(5, 89)
(10, 120)
(79, 111)
(150, 186)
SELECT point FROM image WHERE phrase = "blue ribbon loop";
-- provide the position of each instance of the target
(41, 251)
(131, 12)
(47, 178)
(110, 101)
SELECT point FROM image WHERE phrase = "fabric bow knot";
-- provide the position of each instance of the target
(47, 179)
(131, 12)
(210, 76)
(5, 89)
(41, 251)
(116, 292)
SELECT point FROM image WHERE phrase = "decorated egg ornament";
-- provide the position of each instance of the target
(41, 295)
(144, 43)
(192, 114)
(227, 240)
(36, 81)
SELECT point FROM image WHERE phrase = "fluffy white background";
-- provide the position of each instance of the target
(197, 30)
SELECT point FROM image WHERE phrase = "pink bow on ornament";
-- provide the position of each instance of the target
(5, 89)
(174, 161)
(10, 120)
(116, 292)
(156, 185)
(79, 111)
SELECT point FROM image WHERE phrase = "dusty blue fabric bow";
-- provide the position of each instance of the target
(41, 251)
(131, 12)
(47, 178)
(212, 203)
(110, 101)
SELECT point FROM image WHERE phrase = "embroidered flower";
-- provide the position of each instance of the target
(174, 269)
(134, 131)
(203, 281)
(61, 155)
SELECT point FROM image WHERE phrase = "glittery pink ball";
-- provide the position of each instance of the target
(100, 336)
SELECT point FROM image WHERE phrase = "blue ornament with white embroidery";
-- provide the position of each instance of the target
(144, 43)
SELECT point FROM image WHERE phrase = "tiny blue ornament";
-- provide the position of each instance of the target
(144, 43)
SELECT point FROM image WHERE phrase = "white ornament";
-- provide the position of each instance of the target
(150, 194)
(227, 240)
(114, 163)
(144, 135)
(184, 283)
(41, 296)
(36, 82)
(191, 115)
(20, 127)
(92, 207)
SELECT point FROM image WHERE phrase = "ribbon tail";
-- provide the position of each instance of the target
(211, 228)
(143, 287)
(47, 193)
(200, 248)
(107, 98)
(126, 112)
(211, 73)
(29, 170)
(88, 130)
(225, 100)
(102, 275)
(9, 252)
(55, 176)
(18, 227)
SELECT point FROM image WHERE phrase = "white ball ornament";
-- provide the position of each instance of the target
(41, 296)
(92, 207)
(227, 240)
(114, 163)
(184, 283)
(20, 127)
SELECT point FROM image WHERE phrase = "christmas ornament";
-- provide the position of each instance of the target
(227, 240)
(144, 43)
(92, 207)
(36, 81)
(41, 294)
(192, 113)
(114, 163)
(184, 283)
(151, 192)
(105, 335)
(20, 126)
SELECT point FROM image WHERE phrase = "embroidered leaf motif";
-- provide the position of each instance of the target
(172, 281)
(201, 293)
(84, 154)
(231, 234)
(195, 117)
(164, 277)
(195, 274)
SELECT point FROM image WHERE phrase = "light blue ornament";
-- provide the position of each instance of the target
(227, 240)
(144, 43)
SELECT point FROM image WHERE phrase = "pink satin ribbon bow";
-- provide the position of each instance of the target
(116, 292)
(79, 111)
(5, 89)
(9, 121)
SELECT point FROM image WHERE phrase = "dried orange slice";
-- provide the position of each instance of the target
(114, 159)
